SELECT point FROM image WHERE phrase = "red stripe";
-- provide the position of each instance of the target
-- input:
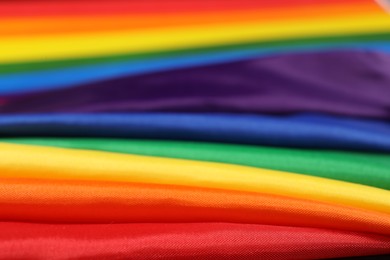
(182, 241)
(44, 8)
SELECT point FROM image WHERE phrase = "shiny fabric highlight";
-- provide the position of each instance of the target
(305, 130)
(183, 241)
(52, 79)
(364, 168)
(315, 83)
(111, 43)
(59, 201)
(70, 164)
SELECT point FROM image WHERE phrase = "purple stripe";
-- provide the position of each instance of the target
(353, 83)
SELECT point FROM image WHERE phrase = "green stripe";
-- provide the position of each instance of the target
(364, 168)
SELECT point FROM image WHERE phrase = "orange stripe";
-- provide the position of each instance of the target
(104, 202)
(81, 24)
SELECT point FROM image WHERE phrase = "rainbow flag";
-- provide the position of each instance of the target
(218, 129)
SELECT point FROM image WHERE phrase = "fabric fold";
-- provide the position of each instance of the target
(117, 7)
(357, 40)
(218, 129)
(24, 161)
(59, 201)
(92, 23)
(211, 81)
(109, 43)
(299, 82)
(73, 77)
(364, 168)
(304, 130)
(183, 241)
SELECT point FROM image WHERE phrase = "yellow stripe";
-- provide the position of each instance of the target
(17, 49)
(24, 161)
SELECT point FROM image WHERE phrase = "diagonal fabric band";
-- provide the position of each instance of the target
(257, 70)
(364, 168)
(14, 49)
(173, 241)
(59, 201)
(380, 38)
(25, 161)
(281, 84)
(308, 131)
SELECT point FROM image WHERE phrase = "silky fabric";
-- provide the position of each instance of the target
(71, 8)
(280, 84)
(377, 257)
(14, 49)
(71, 77)
(182, 241)
(381, 38)
(110, 202)
(92, 23)
(308, 131)
(364, 168)
(26, 161)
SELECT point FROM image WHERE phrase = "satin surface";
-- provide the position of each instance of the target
(364, 168)
(315, 83)
(71, 164)
(71, 8)
(377, 257)
(285, 45)
(307, 131)
(108, 43)
(92, 23)
(72, 77)
(183, 241)
(59, 201)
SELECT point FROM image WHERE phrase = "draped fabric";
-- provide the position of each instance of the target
(371, 41)
(58, 7)
(371, 57)
(171, 241)
(218, 129)
(282, 84)
(364, 168)
(308, 131)
(110, 43)
(60, 201)
(57, 163)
